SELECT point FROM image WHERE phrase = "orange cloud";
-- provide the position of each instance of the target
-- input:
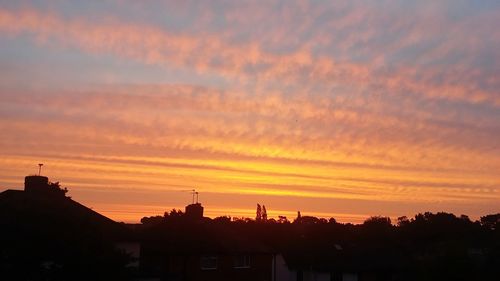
(322, 123)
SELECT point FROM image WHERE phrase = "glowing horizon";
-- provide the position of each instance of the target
(340, 109)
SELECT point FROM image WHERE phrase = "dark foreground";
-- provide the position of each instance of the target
(45, 235)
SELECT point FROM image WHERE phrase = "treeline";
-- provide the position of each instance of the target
(490, 222)
(429, 246)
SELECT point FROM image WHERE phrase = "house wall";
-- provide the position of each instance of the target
(282, 271)
(188, 268)
(133, 249)
(285, 274)
(316, 276)
(349, 277)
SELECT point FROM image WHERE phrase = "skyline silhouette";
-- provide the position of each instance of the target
(46, 235)
(38, 185)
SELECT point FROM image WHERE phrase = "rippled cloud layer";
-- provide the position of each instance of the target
(335, 109)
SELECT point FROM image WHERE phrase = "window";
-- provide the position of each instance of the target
(241, 261)
(208, 262)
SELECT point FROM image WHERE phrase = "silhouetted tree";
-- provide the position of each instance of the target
(403, 221)
(258, 216)
(378, 228)
(173, 214)
(152, 220)
(264, 213)
(378, 221)
(310, 220)
(299, 216)
(223, 219)
(491, 221)
(283, 219)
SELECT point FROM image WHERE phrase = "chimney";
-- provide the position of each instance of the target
(36, 184)
(194, 211)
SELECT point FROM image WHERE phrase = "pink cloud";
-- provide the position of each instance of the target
(209, 53)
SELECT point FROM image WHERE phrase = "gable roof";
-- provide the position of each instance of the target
(28, 211)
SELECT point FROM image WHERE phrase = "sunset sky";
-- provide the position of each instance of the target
(341, 109)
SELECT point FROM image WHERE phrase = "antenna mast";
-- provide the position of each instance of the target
(193, 192)
(40, 168)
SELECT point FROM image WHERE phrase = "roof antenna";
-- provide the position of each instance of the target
(193, 193)
(40, 169)
(197, 197)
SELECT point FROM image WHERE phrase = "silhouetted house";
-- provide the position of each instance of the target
(46, 202)
(190, 250)
(328, 264)
(336, 263)
(45, 232)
